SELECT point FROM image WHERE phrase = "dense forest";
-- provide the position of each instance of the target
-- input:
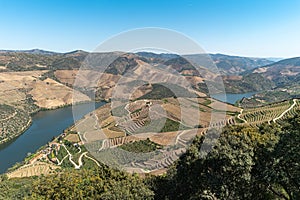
(245, 163)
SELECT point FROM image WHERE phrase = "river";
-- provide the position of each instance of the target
(232, 98)
(45, 126)
(51, 123)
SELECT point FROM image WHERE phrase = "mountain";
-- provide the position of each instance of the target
(282, 72)
(39, 60)
(247, 83)
(226, 64)
(229, 65)
(122, 64)
(284, 77)
(31, 51)
(275, 59)
(162, 56)
(240, 74)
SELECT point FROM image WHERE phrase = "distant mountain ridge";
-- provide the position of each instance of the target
(282, 72)
(240, 74)
(231, 65)
(284, 77)
(31, 51)
(227, 65)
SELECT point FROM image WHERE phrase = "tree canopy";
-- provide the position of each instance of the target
(245, 163)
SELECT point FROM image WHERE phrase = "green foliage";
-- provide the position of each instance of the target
(13, 122)
(96, 183)
(284, 168)
(171, 125)
(88, 163)
(91, 184)
(136, 111)
(207, 102)
(119, 111)
(23, 61)
(70, 146)
(61, 153)
(15, 188)
(159, 125)
(245, 163)
(142, 146)
(166, 90)
(249, 83)
(180, 64)
(121, 65)
(270, 96)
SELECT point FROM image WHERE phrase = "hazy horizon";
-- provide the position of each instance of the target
(62, 52)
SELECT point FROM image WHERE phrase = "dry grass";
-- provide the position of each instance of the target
(107, 82)
(35, 169)
(86, 78)
(164, 139)
(89, 79)
(72, 138)
(235, 78)
(187, 111)
(12, 83)
(158, 172)
(112, 133)
(14, 86)
(217, 105)
(95, 135)
(51, 94)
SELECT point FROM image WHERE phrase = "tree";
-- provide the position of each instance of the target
(88, 184)
(284, 171)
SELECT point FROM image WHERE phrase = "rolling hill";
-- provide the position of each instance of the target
(229, 65)
(284, 77)
(239, 74)
(281, 73)
(156, 125)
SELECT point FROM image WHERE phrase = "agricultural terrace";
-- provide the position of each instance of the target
(270, 113)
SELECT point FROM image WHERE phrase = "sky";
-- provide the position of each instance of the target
(254, 28)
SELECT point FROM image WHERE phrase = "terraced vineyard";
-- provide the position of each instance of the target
(131, 151)
(33, 170)
(134, 118)
(291, 112)
(168, 123)
(271, 113)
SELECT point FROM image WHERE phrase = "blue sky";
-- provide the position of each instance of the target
(264, 28)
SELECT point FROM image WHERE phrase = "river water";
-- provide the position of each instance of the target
(45, 126)
(232, 98)
(51, 123)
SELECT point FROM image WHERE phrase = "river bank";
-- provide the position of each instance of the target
(45, 125)
(232, 98)
(17, 134)
(14, 136)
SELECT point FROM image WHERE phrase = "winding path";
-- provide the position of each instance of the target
(80, 159)
(239, 116)
(60, 162)
(93, 160)
(178, 139)
(286, 111)
(70, 158)
(102, 146)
